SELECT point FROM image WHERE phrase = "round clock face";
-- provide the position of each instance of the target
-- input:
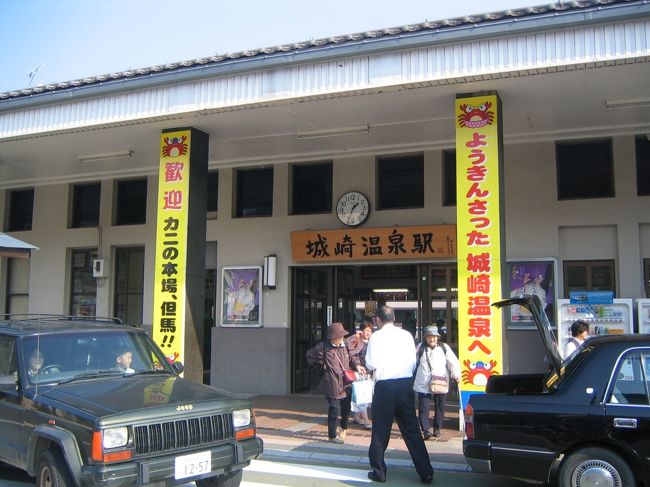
(352, 208)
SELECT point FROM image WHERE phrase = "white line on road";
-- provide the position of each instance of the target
(313, 471)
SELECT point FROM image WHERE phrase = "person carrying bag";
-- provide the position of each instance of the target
(436, 366)
(335, 358)
(364, 388)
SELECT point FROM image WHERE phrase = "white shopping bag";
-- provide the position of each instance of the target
(362, 391)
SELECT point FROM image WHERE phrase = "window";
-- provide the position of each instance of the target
(400, 182)
(642, 165)
(17, 286)
(589, 275)
(449, 178)
(129, 283)
(311, 188)
(83, 292)
(212, 194)
(254, 193)
(584, 170)
(85, 205)
(8, 362)
(631, 386)
(131, 202)
(21, 209)
(646, 277)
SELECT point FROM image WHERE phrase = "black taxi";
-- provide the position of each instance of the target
(586, 422)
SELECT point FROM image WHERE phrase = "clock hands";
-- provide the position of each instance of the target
(351, 210)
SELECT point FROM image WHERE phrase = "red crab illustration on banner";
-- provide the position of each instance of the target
(175, 146)
(478, 373)
(476, 116)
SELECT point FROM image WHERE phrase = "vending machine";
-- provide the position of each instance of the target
(643, 315)
(604, 318)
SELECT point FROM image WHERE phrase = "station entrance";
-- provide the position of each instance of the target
(420, 294)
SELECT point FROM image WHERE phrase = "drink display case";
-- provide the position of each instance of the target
(603, 318)
(643, 315)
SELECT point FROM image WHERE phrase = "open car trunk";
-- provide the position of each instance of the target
(516, 384)
(529, 383)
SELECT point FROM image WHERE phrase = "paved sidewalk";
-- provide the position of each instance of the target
(294, 428)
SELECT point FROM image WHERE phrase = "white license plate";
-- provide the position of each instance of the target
(191, 465)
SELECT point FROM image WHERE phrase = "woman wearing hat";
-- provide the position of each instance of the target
(358, 343)
(335, 357)
(435, 359)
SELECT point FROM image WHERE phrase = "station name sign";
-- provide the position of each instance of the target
(385, 243)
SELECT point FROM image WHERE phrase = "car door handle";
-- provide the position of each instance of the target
(629, 423)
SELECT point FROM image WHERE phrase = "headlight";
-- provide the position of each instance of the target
(115, 437)
(241, 417)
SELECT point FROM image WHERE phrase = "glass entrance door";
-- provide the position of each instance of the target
(443, 290)
(443, 282)
(309, 323)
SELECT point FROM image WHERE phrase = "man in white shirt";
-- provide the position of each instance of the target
(391, 354)
(579, 333)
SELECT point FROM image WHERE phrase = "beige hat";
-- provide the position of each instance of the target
(431, 330)
(336, 330)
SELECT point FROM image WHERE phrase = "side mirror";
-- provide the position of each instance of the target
(178, 367)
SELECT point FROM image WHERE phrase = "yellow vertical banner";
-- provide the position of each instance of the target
(480, 239)
(171, 243)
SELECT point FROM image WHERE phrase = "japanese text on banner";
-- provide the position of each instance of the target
(479, 220)
(171, 244)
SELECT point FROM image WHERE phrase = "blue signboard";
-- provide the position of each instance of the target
(591, 297)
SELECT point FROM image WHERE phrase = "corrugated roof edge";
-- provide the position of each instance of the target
(560, 6)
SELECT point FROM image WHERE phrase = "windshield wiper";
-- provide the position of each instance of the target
(153, 371)
(90, 375)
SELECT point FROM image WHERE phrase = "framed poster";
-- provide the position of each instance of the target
(241, 299)
(528, 277)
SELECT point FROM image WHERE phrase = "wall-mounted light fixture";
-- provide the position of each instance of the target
(400, 290)
(107, 156)
(628, 103)
(335, 132)
(270, 265)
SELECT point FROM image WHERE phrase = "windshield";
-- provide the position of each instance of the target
(64, 356)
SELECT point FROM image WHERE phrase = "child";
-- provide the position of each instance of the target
(123, 361)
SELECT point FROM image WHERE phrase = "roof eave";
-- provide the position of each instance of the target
(404, 40)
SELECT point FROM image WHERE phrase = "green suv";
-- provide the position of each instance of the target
(91, 402)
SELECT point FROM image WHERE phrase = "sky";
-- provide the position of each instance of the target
(64, 40)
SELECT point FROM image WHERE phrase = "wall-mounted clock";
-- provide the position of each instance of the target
(352, 208)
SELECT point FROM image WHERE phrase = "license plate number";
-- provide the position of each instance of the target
(191, 465)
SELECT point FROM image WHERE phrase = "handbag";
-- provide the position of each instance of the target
(362, 391)
(348, 375)
(439, 383)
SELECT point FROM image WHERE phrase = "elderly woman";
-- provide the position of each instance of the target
(434, 360)
(334, 356)
(358, 343)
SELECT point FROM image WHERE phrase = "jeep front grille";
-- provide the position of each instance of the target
(184, 433)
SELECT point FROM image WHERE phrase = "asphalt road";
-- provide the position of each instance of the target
(275, 474)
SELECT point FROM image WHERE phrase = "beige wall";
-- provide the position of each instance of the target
(537, 226)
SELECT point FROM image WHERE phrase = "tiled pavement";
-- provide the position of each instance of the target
(294, 428)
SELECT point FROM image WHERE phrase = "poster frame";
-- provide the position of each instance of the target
(234, 274)
(512, 266)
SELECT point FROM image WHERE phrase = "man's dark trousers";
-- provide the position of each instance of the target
(394, 398)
